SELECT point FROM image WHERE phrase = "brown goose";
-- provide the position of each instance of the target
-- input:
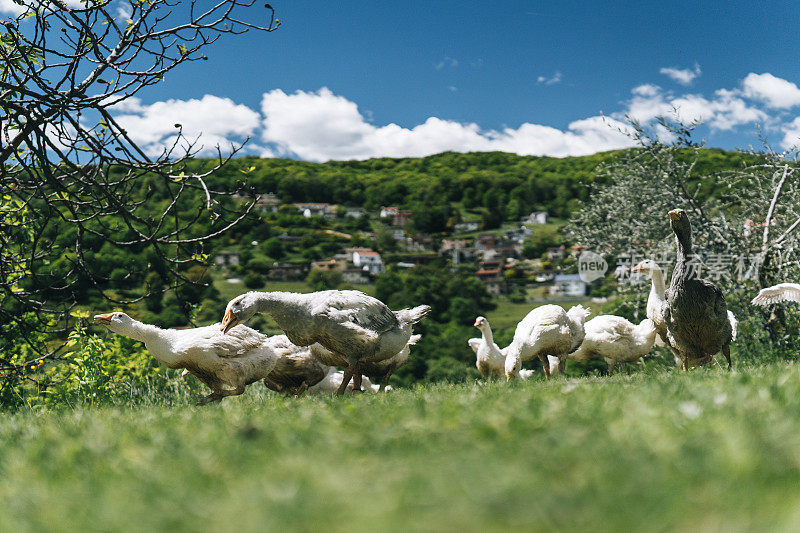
(695, 312)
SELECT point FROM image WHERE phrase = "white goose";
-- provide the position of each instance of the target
(490, 359)
(353, 325)
(782, 292)
(616, 340)
(224, 363)
(547, 330)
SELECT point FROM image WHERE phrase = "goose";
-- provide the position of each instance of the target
(356, 327)
(381, 370)
(333, 380)
(297, 368)
(697, 319)
(547, 330)
(224, 363)
(656, 303)
(616, 340)
(490, 359)
(782, 292)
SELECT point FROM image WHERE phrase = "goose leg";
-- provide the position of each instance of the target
(545, 366)
(357, 379)
(348, 373)
(213, 397)
(726, 351)
(301, 389)
(385, 379)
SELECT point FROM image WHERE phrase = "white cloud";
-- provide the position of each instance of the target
(683, 76)
(218, 121)
(791, 138)
(773, 91)
(446, 62)
(321, 126)
(7, 6)
(723, 112)
(556, 78)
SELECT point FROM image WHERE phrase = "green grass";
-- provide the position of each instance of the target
(653, 451)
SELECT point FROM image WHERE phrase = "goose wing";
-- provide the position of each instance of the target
(475, 344)
(783, 292)
(359, 310)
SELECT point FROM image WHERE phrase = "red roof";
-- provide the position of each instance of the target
(494, 271)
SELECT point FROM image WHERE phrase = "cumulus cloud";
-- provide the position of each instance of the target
(683, 76)
(724, 111)
(13, 8)
(217, 121)
(791, 139)
(321, 126)
(773, 91)
(7, 6)
(555, 78)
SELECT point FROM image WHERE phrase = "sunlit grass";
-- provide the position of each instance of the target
(656, 450)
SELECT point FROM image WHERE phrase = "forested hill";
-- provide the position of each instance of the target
(494, 180)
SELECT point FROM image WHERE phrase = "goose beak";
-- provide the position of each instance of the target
(675, 214)
(636, 269)
(104, 319)
(228, 321)
(477, 323)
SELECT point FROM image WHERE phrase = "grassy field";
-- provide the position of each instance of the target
(651, 451)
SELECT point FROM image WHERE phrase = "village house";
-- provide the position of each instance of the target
(330, 264)
(354, 212)
(556, 253)
(490, 274)
(485, 241)
(369, 261)
(287, 271)
(537, 217)
(459, 250)
(568, 285)
(226, 259)
(420, 242)
(355, 276)
(519, 235)
(466, 227)
(390, 211)
(315, 209)
(267, 203)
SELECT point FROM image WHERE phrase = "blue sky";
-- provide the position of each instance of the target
(529, 77)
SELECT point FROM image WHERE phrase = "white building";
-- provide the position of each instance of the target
(369, 261)
(568, 285)
(313, 209)
(226, 259)
(537, 217)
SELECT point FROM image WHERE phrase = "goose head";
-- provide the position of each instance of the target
(118, 322)
(646, 267)
(512, 366)
(240, 309)
(679, 221)
(481, 323)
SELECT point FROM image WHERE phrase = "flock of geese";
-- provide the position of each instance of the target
(349, 329)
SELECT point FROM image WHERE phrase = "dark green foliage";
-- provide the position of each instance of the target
(321, 280)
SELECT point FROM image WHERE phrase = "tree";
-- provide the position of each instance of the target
(744, 220)
(72, 178)
(322, 280)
